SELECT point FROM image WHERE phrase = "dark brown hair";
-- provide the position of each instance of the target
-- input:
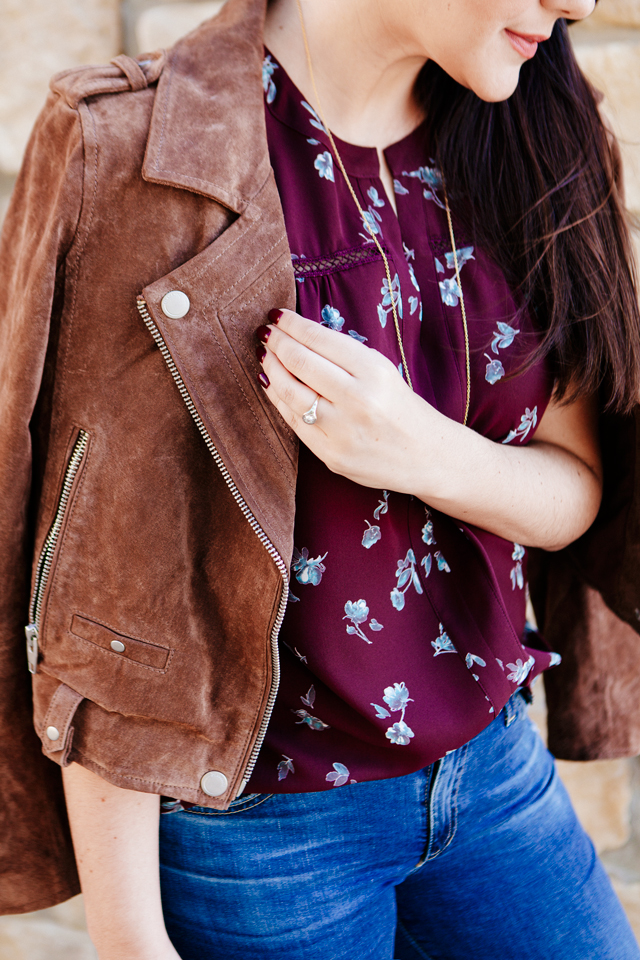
(536, 180)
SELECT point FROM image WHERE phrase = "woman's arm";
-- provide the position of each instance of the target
(374, 430)
(115, 837)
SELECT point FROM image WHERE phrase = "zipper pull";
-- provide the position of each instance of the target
(31, 632)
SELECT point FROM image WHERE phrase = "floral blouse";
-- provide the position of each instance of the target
(405, 632)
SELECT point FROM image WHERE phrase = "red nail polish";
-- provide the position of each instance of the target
(260, 353)
(263, 378)
(274, 316)
(263, 333)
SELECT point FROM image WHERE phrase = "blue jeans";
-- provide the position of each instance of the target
(478, 857)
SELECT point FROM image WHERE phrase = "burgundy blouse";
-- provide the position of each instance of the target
(404, 634)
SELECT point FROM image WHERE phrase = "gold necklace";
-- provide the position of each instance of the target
(396, 323)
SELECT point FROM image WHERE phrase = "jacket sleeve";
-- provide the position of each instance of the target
(587, 604)
(38, 233)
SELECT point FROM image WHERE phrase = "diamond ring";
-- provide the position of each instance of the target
(311, 415)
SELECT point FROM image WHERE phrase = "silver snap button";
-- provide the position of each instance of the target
(53, 733)
(118, 646)
(214, 783)
(175, 304)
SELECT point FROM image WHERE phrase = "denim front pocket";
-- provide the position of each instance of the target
(241, 805)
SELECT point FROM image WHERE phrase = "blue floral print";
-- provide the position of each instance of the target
(370, 536)
(371, 220)
(407, 575)
(383, 506)
(357, 336)
(408, 253)
(312, 722)
(517, 579)
(315, 120)
(309, 697)
(471, 660)
(430, 176)
(302, 256)
(307, 570)
(426, 563)
(432, 180)
(439, 267)
(554, 659)
(427, 530)
(397, 699)
(528, 420)
(399, 189)
(400, 733)
(339, 775)
(313, 141)
(324, 165)
(268, 69)
(443, 643)
(413, 305)
(374, 196)
(358, 612)
(519, 670)
(331, 318)
(494, 371)
(464, 255)
(450, 292)
(503, 337)
(285, 767)
(389, 295)
(442, 563)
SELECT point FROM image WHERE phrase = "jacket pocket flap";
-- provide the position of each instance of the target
(148, 654)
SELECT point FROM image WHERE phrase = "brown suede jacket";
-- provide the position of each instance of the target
(147, 485)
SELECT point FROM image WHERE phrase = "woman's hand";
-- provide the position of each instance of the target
(372, 429)
(368, 417)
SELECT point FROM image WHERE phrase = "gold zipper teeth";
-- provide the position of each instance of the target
(46, 554)
(248, 515)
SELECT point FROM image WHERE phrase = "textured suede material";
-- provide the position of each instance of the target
(140, 179)
(587, 601)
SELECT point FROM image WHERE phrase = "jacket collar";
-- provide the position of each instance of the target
(207, 130)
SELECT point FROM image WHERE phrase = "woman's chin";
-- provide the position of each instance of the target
(500, 85)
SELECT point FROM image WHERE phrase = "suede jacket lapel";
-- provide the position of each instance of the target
(208, 135)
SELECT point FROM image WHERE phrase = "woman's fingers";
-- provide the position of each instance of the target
(290, 396)
(304, 367)
(337, 348)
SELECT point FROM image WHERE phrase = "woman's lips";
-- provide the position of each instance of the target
(525, 45)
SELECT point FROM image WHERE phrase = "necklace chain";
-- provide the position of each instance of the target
(396, 322)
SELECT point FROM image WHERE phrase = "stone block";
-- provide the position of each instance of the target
(600, 790)
(629, 894)
(610, 57)
(6, 186)
(624, 13)
(29, 938)
(161, 26)
(40, 38)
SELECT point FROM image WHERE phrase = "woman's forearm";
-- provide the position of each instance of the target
(540, 495)
(115, 837)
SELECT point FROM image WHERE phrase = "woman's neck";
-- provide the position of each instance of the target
(365, 78)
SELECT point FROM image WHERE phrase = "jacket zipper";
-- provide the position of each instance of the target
(253, 523)
(45, 559)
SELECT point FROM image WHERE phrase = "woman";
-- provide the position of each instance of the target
(438, 276)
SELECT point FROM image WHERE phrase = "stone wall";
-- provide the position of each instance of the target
(40, 37)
